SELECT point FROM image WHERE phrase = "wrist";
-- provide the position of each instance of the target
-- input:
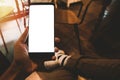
(27, 67)
(16, 66)
(11, 72)
(63, 60)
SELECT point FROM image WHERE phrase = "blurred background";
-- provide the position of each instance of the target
(12, 23)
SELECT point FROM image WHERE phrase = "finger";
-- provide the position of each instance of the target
(60, 52)
(23, 36)
(56, 49)
(26, 46)
(53, 57)
(57, 40)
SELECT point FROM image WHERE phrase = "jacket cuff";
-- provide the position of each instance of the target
(72, 62)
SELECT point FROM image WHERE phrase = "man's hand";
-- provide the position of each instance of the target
(59, 59)
(21, 64)
(21, 57)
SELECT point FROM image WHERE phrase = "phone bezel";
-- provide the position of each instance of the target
(41, 55)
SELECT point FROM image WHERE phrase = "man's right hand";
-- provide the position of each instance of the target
(59, 59)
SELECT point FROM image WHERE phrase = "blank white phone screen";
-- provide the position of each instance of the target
(41, 28)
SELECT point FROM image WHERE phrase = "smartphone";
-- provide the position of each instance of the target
(41, 30)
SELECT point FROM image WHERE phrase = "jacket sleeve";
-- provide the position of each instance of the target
(95, 68)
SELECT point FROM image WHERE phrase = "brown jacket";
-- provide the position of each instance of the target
(106, 42)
